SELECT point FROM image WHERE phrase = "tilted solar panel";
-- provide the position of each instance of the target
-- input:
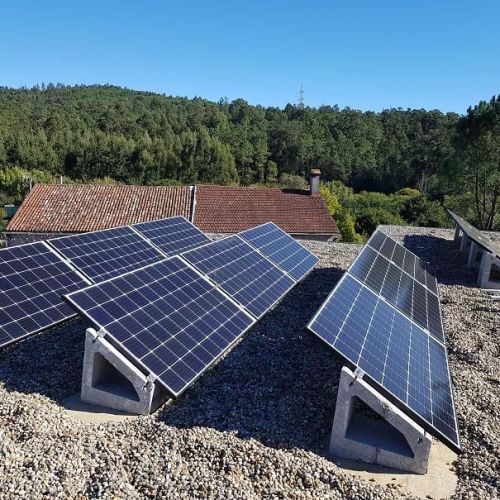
(395, 353)
(167, 317)
(173, 235)
(404, 259)
(32, 280)
(104, 254)
(281, 248)
(398, 288)
(243, 273)
(475, 234)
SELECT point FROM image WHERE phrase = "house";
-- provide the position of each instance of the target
(55, 210)
(227, 209)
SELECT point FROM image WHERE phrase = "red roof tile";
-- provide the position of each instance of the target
(69, 208)
(232, 209)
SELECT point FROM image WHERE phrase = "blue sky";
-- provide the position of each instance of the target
(366, 54)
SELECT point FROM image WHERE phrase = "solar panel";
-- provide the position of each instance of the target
(168, 317)
(399, 289)
(242, 272)
(395, 353)
(475, 234)
(281, 248)
(104, 254)
(173, 235)
(32, 280)
(404, 259)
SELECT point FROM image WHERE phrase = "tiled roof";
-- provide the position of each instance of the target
(232, 209)
(69, 208)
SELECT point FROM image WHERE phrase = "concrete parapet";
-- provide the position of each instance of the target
(393, 441)
(111, 380)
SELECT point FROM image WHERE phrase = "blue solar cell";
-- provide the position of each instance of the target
(104, 254)
(173, 235)
(403, 259)
(281, 248)
(401, 290)
(397, 354)
(243, 273)
(166, 316)
(32, 280)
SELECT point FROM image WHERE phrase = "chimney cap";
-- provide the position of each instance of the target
(315, 171)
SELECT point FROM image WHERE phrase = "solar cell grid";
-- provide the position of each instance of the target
(166, 316)
(173, 235)
(404, 259)
(243, 273)
(104, 254)
(399, 289)
(394, 352)
(281, 248)
(32, 280)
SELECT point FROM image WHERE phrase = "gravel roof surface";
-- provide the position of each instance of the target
(257, 425)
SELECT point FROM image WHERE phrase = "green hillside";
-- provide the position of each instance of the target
(90, 132)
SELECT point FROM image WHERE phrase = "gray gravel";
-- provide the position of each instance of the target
(255, 426)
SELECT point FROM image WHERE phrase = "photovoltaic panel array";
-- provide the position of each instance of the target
(399, 289)
(395, 353)
(32, 280)
(475, 234)
(242, 272)
(168, 317)
(281, 248)
(384, 317)
(82, 258)
(104, 254)
(173, 235)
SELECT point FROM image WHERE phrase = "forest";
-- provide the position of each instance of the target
(396, 166)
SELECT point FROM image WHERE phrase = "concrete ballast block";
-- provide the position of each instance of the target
(111, 380)
(394, 441)
(484, 280)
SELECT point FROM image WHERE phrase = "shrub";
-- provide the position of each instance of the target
(293, 181)
(420, 211)
(367, 219)
(342, 216)
(346, 225)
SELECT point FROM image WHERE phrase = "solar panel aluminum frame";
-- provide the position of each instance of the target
(384, 392)
(92, 281)
(398, 266)
(55, 323)
(298, 243)
(273, 305)
(131, 357)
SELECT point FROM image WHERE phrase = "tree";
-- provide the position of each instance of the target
(475, 165)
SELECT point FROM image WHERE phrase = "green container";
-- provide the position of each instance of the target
(10, 210)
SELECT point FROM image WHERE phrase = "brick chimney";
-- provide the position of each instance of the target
(314, 175)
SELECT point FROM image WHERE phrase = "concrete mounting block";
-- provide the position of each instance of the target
(111, 380)
(394, 441)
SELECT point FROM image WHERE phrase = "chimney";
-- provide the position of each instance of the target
(314, 175)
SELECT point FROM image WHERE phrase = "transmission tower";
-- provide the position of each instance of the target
(301, 96)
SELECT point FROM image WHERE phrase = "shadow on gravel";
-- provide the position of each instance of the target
(49, 363)
(447, 263)
(278, 385)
